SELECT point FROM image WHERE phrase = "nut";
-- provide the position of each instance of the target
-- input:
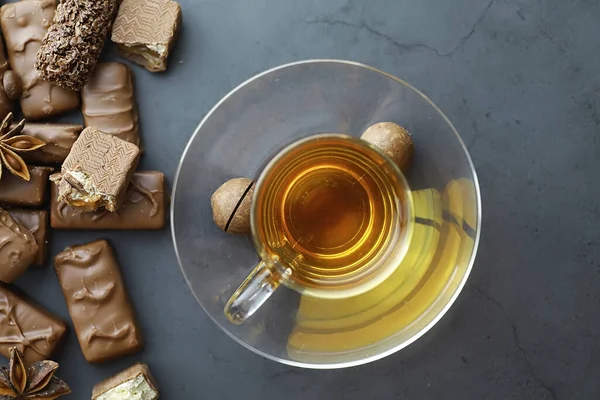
(13, 86)
(393, 140)
(231, 205)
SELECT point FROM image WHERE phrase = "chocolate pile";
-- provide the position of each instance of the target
(53, 66)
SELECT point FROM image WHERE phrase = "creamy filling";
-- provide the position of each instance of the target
(153, 54)
(77, 189)
(137, 388)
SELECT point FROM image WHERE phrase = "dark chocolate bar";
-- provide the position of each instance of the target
(108, 102)
(24, 24)
(145, 31)
(144, 208)
(33, 331)
(36, 222)
(16, 192)
(18, 248)
(97, 171)
(98, 303)
(59, 139)
(136, 382)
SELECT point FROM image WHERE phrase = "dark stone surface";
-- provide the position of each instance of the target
(519, 79)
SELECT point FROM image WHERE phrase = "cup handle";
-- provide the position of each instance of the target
(252, 293)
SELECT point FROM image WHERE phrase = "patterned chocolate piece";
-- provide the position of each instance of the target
(108, 102)
(24, 24)
(98, 304)
(29, 328)
(135, 382)
(59, 139)
(16, 192)
(73, 44)
(18, 248)
(97, 171)
(144, 208)
(145, 31)
(36, 222)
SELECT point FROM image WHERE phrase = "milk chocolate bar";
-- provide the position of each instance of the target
(98, 304)
(108, 102)
(16, 192)
(36, 222)
(28, 327)
(18, 248)
(144, 208)
(59, 139)
(24, 24)
(136, 382)
(73, 44)
(97, 171)
(145, 31)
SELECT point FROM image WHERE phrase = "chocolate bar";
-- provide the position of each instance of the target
(97, 171)
(145, 31)
(59, 139)
(18, 248)
(98, 304)
(73, 44)
(16, 192)
(32, 330)
(36, 222)
(108, 102)
(136, 382)
(144, 208)
(24, 24)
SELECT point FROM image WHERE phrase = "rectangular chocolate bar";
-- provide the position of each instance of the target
(16, 192)
(108, 102)
(145, 31)
(98, 304)
(24, 24)
(25, 325)
(144, 208)
(18, 248)
(59, 139)
(136, 382)
(97, 171)
(36, 222)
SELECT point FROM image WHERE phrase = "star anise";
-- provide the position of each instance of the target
(36, 382)
(11, 143)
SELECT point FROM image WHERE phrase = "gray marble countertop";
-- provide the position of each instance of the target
(519, 79)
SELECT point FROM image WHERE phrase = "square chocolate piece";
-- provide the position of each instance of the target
(97, 171)
(134, 383)
(18, 248)
(145, 31)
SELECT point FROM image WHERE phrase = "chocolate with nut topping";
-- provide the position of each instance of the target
(36, 222)
(18, 248)
(97, 301)
(16, 192)
(59, 139)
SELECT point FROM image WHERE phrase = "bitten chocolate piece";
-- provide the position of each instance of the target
(24, 24)
(17, 192)
(18, 248)
(108, 102)
(145, 31)
(59, 139)
(36, 222)
(29, 328)
(144, 208)
(98, 304)
(97, 171)
(73, 44)
(134, 383)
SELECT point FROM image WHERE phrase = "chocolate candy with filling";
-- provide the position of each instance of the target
(24, 24)
(36, 222)
(28, 327)
(145, 31)
(72, 45)
(108, 102)
(134, 383)
(97, 171)
(98, 304)
(18, 248)
(59, 139)
(16, 192)
(144, 208)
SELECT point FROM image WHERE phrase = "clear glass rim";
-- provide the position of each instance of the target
(417, 335)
